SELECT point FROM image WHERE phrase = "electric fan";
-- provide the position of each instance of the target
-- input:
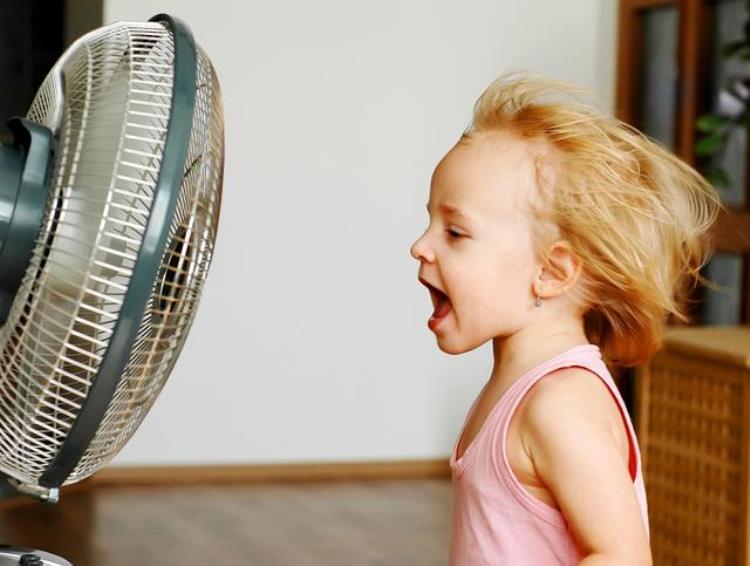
(109, 206)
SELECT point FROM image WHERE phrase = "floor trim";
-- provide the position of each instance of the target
(254, 473)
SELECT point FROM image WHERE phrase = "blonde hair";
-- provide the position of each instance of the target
(636, 215)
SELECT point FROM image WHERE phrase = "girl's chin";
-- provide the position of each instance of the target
(454, 351)
(451, 343)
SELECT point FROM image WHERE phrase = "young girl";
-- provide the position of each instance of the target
(565, 237)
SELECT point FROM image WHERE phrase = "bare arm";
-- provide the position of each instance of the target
(567, 428)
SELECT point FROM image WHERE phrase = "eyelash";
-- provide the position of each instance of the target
(453, 234)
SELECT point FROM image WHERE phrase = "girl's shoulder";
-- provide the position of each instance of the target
(571, 393)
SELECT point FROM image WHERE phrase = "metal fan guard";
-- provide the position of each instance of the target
(108, 102)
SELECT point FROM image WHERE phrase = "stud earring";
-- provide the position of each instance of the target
(538, 302)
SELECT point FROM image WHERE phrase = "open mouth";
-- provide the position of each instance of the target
(440, 303)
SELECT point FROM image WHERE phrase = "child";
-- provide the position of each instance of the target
(563, 235)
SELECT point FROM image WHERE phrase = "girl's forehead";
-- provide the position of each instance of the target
(485, 175)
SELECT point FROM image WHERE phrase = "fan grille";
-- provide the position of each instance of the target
(110, 140)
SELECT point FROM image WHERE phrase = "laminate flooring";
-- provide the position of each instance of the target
(369, 523)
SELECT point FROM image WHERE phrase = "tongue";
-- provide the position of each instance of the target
(442, 308)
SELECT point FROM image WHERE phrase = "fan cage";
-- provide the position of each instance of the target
(115, 90)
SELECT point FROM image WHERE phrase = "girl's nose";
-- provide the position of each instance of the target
(419, 249)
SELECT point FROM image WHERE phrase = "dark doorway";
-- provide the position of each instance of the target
(31, 39)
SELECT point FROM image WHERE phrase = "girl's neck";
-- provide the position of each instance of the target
(519, 352)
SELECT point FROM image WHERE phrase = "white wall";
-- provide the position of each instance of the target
(311, 342)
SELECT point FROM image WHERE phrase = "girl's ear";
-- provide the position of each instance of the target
(564, 269)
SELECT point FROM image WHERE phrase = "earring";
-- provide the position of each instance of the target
(538, 302)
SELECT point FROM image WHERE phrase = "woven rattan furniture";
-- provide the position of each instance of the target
(692, 409)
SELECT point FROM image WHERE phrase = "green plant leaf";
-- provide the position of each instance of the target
(718, 177)
(709, 123)
(733, 48)
(708, 145)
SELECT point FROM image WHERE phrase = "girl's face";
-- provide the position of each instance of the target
(477, 252)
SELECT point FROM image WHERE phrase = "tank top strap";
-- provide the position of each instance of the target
(587, 356)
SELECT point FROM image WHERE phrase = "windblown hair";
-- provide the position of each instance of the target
(637, 216)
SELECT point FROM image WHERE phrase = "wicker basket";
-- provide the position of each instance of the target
(692, 409)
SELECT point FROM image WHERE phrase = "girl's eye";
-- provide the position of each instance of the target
(453, 234)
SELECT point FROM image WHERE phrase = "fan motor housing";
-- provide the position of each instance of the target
(24, 179)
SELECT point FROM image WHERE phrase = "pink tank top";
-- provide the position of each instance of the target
(495, 520)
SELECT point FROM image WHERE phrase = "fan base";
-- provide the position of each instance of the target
(14, 555)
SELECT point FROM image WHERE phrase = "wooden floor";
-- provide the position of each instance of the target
(389, 522)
